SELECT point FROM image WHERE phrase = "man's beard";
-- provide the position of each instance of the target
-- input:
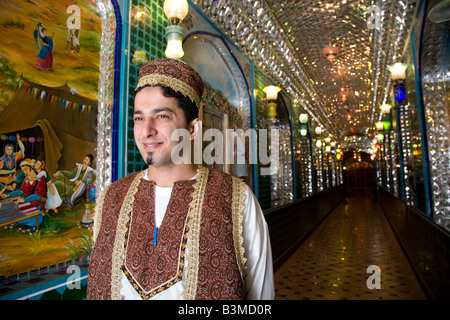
(149, 159)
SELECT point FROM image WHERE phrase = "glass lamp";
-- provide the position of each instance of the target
(303, 118)
(385, 109)
(380, 126)
(174, 37)
(399, 91)
(318, 131)
(175, 11)
(387, 123)
(330, 52)
(398, 74)
(272, 94)
(141, 16)
(398, 71)
(303, 130)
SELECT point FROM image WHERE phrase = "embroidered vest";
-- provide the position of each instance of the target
(202, 223)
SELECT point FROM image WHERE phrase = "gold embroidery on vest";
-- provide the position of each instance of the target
(147, 287)
(98, 213)
(192, 238)
(194, 215)
(238, 208)
(145, 295)
(191, 234)
(124, 217)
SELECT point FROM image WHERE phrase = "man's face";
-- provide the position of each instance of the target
(155, 118)
(86, 161)
(37, 165)
(28, 171)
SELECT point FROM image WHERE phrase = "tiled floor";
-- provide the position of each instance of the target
(332, 263)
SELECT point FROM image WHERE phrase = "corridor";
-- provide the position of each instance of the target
(332, 263)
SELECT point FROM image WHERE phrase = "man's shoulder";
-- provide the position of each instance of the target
(220, 177)
(128, 178)
(220, 174)
(123, 182)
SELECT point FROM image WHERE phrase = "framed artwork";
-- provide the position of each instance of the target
(49, 61)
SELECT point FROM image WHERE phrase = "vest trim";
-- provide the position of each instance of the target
(145, 295)
(238, 229)
(194, 218)
(124, 218)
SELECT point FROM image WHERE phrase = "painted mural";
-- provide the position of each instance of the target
(49, 61)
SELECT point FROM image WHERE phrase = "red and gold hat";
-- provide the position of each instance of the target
(172, 73)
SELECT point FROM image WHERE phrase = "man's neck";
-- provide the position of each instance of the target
(166, 176)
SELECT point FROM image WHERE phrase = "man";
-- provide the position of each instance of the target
(177, 231)
(72, 184)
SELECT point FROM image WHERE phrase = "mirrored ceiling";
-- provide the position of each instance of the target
(331, 57)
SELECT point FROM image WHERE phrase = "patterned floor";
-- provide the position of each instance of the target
(332, 263)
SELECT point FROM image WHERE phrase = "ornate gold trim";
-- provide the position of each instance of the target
(175, 84)
(98, 214)
(124, 218)
(193, 225)
(145, 295)
(238, 229)
(194, 219)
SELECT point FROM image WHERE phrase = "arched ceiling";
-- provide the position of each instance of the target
(286, 40)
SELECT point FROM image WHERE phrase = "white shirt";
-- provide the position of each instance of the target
(258, 275)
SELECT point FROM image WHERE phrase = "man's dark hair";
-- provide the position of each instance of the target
(91, 157)
(186, 104)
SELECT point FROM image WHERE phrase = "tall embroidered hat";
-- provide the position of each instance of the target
(172, 73)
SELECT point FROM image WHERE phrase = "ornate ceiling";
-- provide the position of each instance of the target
(286, 40)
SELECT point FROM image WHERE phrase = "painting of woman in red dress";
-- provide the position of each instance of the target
(45, 43)
(32, 190)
